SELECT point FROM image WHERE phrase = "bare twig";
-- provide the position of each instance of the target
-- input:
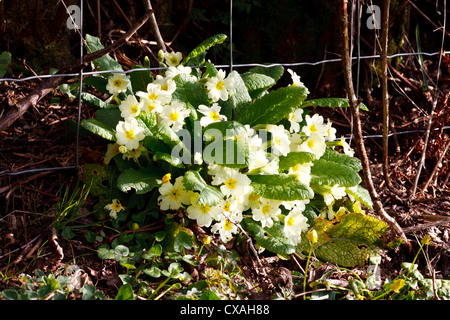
(357, 127)
(430, 120)
(48, 85)
(155, 27)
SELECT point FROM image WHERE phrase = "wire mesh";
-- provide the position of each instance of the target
(231, 65)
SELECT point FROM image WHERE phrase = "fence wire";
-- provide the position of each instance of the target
(230, 66)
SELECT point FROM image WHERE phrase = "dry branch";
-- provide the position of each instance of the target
(51, 83)
(357, 127)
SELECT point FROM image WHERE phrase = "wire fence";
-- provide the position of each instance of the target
(231, 65)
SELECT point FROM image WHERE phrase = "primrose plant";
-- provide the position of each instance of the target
(224, 149)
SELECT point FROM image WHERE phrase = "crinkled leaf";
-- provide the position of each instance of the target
(294, 158)
(205, 45)
(104, 63)
(334, 156)
(142, 180)
(331, 102)
(275, 72)
(99, 128)
(361, 195)
(193, 181)
(189, 91)
(274, 106)
(272, 239)
(257, 83)
(349, 241)
(173, 161)
(238, 99)
(94, 101)
(140, 79)
(329, 173)
(280, 187)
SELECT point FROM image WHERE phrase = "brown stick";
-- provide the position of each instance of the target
(49, 84)
(367, 176)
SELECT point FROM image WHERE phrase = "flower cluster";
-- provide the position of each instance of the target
(304, 133)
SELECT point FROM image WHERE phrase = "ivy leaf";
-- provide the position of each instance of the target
(205, 45)
(274, 106)
(331, 102)
(329, 173)
(142, 180)
(272, 239)
(280, 187)
(349, 241)
(99, 128)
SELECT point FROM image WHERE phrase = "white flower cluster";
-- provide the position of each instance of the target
(306, 133)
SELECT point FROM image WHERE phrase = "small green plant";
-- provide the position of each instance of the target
(50, 286)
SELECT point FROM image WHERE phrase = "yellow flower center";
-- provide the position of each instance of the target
(277, 141)
(220, 85)
(312, 128)
(265, 209)
(150, 107)
(153, 96)
(165, 87)
(214, 115)
(290, 222)
(205, 208)
(227, 225)
(175, 195)
(117, 83)
(173, 60)
(295, 168)
(174, 116)
(311, 143)
(231, 183)
(226, 207)
(129, 134)
(292, 117)
(116, 205)
(134, 109)
(294, 84)
(253, 197)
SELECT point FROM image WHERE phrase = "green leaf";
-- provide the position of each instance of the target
(272, 239)
(154, 272)
(193, 181)
(125, 293)
(337, 157)
(275, 72)
(110, 117)
(331, 102)
(329, 173)
(140, 79)
(142, 180)
(99, 128)
(274, 106)
(238, 100)
(173, 161)
(294, 158)
(280, 187)
(349, 241)
(104, 63)
(100, 178)
(182, 240)
(360, 194)
(189, 91)
(94, 101)
(105, 253)
(98, 83)
(5, 60)
(209, 295)
(205, 45)
(257, 83)
(233, 152)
